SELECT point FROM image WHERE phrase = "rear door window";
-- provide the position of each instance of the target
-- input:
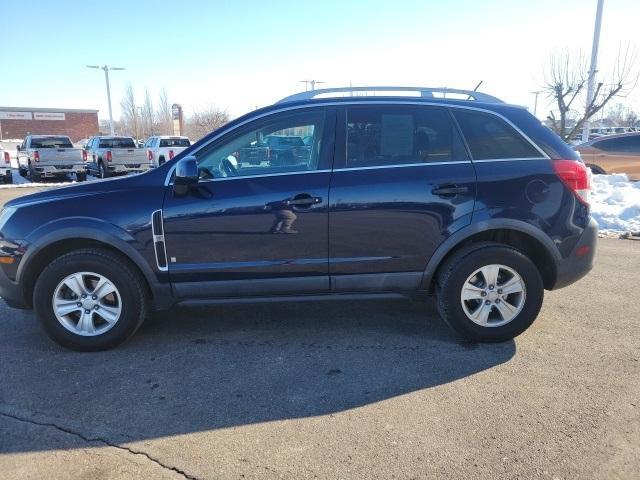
(397, 135)
(490, 138)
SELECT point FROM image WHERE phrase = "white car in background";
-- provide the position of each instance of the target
(5, 167)
(162, 148)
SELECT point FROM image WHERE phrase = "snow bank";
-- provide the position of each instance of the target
(615, 203)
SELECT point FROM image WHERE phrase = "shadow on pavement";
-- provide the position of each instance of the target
(199, 369)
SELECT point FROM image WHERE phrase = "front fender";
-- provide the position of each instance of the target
(94, 229)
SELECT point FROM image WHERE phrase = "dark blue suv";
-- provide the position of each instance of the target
(447, 193)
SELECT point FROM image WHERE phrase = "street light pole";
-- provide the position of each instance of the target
(535, 103)
(593, 67)
(106, 69)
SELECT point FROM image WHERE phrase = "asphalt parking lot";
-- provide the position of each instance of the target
(335, 390)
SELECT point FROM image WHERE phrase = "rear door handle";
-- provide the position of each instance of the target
(449, 190)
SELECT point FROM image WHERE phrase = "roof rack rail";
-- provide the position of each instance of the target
(425, 92)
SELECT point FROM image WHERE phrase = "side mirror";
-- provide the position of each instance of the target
(186, 175)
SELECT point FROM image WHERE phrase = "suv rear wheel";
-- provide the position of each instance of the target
(489, 292)
(90, 299)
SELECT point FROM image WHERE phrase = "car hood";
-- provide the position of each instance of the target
(79, 190)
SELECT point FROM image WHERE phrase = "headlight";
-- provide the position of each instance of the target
(5, 215)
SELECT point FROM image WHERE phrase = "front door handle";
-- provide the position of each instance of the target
(303, 201)
(449, 190)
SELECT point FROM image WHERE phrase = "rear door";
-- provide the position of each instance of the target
(402, 183)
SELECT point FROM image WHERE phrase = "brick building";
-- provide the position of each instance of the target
(17, 122)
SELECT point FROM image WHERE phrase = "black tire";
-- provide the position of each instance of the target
(32, 176)
(81, 176)
(8, 179)
(596, 169)
(161, 160)
(454, 273)
(119, 271)
(22, 172)
(102, 170)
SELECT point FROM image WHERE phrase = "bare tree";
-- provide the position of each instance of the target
(130, 117)
(163, 114)
(148, 114)
(204, 121)
(566, 82)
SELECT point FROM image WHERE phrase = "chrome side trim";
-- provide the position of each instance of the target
(357, 102)
(159, 237)
(490, 160)
(207, 180)
(404, 165)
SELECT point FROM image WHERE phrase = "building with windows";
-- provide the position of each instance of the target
(17, 122)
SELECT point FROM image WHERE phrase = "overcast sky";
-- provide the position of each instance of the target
(241, 54)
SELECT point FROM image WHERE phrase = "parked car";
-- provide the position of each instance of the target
(162, 148)
(5, 166)
(106, 156)
(286, 149)
(47, 156)
(613, 154)
(473, 202)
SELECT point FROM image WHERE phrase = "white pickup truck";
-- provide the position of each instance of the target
(45, 156)
(162, 148)
(109, 156)
(5, 166)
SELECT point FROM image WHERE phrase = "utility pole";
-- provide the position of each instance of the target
(593, 67)
(106, 79)
(312, 83)
(535, 102)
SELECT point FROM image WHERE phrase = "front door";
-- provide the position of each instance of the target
(257, 222)
(402, 183)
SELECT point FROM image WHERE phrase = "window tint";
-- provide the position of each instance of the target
(629, 144)
(489, 137)
(51, 142)
(118, 142)
(174, 142)
(388, 135)
(254, 151)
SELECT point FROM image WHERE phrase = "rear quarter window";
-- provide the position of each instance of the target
(489, 137)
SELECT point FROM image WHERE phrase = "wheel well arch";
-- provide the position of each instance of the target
(597, 169)
(528, 244)
(61, 247)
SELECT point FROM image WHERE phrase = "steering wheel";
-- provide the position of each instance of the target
(228, 169)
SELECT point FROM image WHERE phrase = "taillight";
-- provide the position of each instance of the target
(84, 155)
(36, 156)
(109, 156)
(150, 155)
(170, 154)
(7, 160)
(576, 176)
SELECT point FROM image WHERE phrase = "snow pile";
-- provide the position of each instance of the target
(615, 203)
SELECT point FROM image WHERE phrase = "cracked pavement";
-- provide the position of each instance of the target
(335, 390)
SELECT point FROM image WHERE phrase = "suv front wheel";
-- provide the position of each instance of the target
(90, 299)
(489, 292)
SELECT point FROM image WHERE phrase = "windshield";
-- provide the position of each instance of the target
(51, 142)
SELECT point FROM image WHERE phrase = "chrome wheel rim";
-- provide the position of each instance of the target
(87, 304)
(493, 295)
